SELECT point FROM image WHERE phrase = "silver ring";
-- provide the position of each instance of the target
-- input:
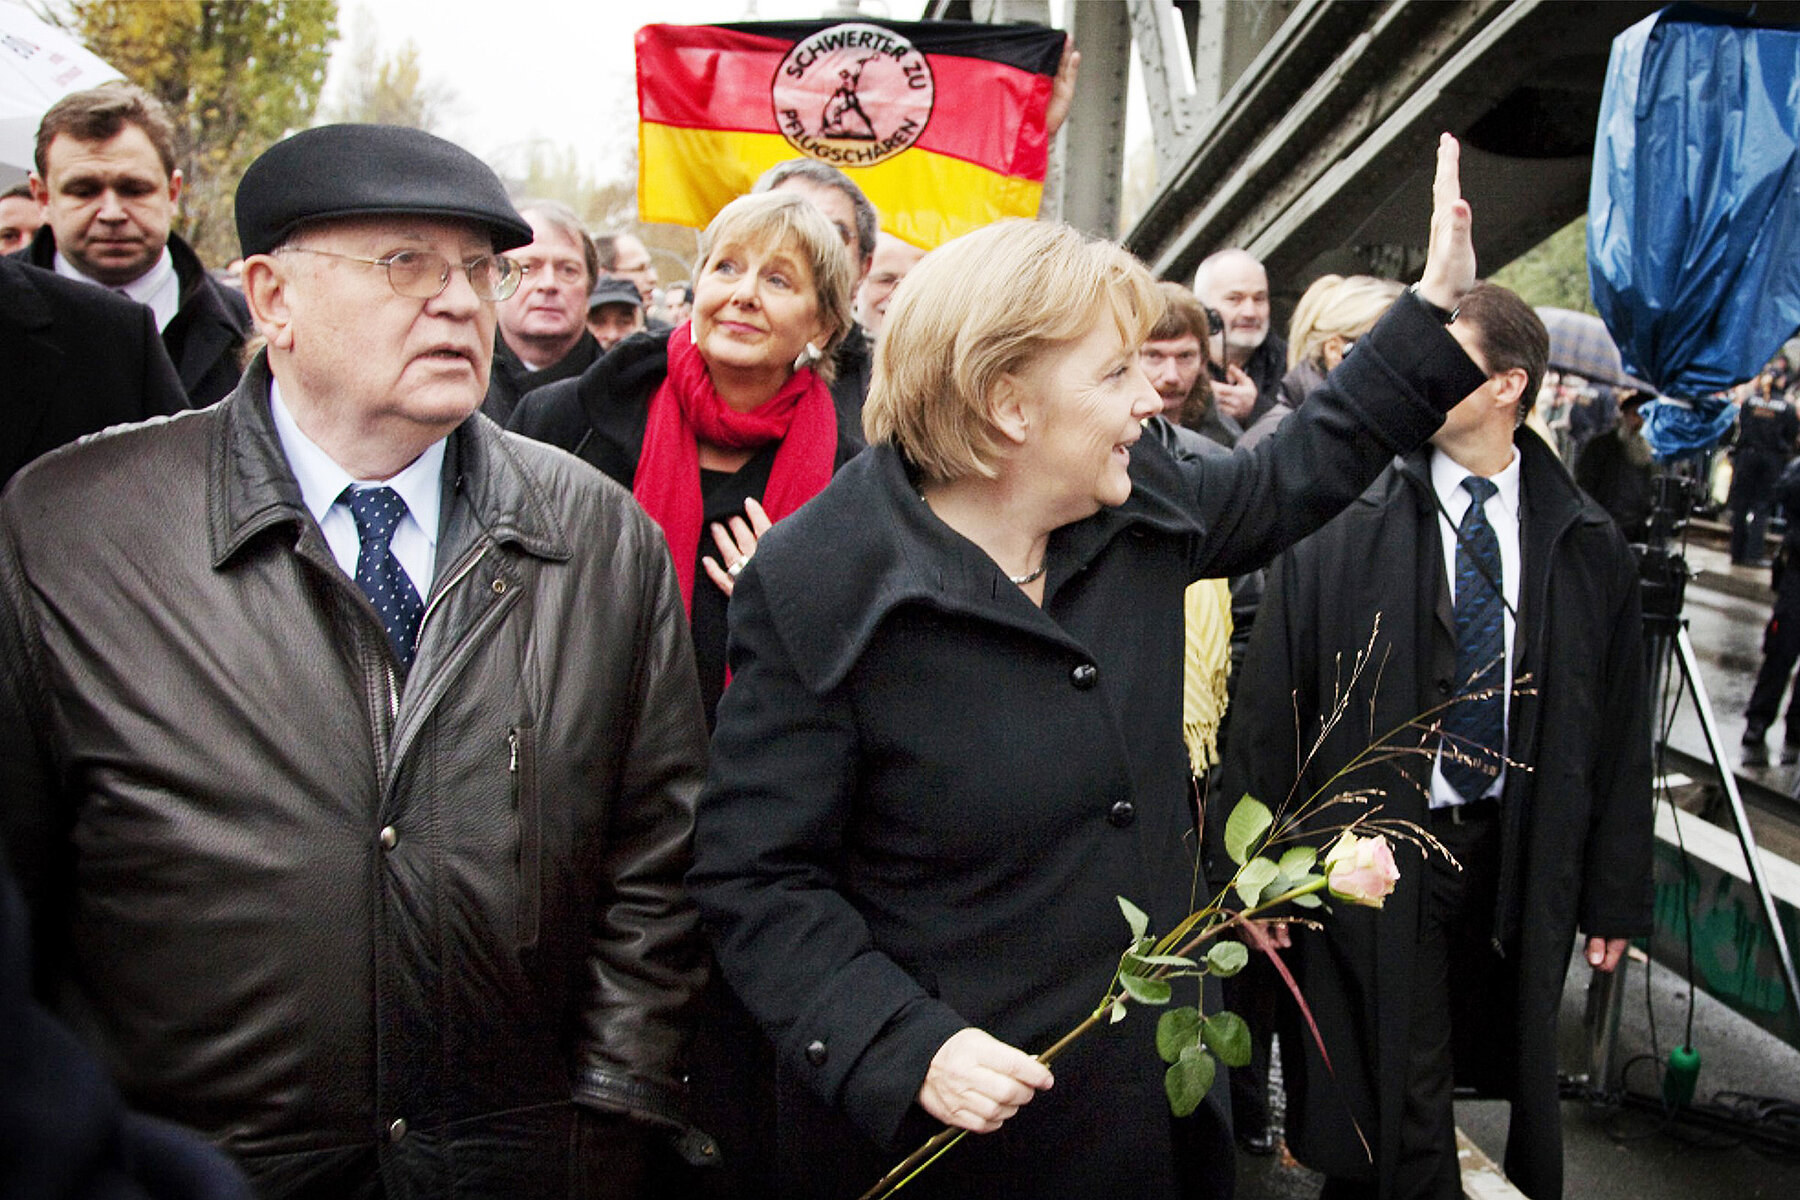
(737, 568)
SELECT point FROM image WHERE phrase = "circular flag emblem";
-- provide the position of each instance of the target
(853, 95)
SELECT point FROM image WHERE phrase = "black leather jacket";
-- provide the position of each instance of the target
(348, 922)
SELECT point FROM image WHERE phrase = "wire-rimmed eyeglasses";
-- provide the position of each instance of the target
(424, 274)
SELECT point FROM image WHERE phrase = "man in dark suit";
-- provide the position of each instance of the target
(75, 360)
(107, 179)
(1509, 617)
(543, 326)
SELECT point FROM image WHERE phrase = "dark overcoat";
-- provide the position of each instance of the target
(74, 359)
(205, 339)
(510, 379)
(927, 791)
(1576, 825)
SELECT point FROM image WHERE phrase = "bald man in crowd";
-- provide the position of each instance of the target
(1249, 357)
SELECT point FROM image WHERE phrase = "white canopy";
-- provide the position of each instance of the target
(39, 64)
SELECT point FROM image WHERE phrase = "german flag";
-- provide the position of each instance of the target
(941, 123)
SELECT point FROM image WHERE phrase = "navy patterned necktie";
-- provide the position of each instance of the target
(1476, 725)
(378, 511)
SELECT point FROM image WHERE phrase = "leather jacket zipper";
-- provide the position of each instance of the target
(521, 768)
(461, 573)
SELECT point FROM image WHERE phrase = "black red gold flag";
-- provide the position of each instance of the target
(941, 123)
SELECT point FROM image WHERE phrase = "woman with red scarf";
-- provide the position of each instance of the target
(725, 424)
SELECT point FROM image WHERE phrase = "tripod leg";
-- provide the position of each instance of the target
(1690, 670)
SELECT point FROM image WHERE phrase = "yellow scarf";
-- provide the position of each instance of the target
(1206, 662)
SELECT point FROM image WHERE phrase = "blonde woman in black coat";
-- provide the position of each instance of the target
(953, 733)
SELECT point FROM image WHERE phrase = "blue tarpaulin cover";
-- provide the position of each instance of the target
(1694, 208)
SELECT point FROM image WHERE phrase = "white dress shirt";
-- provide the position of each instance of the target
(1502, 511)
(158, 289)
(322, 481)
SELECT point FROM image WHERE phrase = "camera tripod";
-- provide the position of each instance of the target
(1664, 575)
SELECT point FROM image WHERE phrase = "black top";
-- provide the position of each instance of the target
(722, 493)
(1767, 426)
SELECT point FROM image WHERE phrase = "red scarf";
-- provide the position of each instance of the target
(687, 410)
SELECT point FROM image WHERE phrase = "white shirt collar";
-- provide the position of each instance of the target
(322, 480)
(158, 289)
(1447, 476)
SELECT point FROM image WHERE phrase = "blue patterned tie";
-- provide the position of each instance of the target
(378, 573)
(1476, 726)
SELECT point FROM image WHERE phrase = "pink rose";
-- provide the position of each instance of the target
(1361, 869)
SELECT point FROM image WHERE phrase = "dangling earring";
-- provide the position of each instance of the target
(693, 333)
(807, 357)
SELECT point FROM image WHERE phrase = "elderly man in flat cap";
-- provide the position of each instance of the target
(349, 745)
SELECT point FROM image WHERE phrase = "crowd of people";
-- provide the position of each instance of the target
(479, 720)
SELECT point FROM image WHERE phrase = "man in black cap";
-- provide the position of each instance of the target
(352, 823)
(614, 311)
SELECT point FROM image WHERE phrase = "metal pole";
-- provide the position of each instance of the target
(1605, 1004)
(1606, 991)
(1690, 668)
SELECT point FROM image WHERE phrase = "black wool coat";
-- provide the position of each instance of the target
(205, 339)
(1576, 825)
(926, 791)
(74, 359)
(510, 380)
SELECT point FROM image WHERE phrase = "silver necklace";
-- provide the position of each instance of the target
(1028, 577)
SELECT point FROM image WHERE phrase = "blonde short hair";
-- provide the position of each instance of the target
(981, 307)
(1345, 306)
(777, 219)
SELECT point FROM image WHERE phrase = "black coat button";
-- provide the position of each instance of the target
(816, 1053)
(1122, 813)
(1085, 676)
(1443, 687)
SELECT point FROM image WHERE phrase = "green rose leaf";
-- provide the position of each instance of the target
(1176, 1030)
(1134, 917)
(1188, 1080)
(1118, 1012)
(1228, 1037)
(1162, 960)
(1256, 875)
(1245, 828)
(1146, 991)
(1298, 861)
(1227, 958)
(1310, 900)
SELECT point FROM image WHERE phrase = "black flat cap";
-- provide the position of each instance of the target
(613, 289)
(369, 170)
